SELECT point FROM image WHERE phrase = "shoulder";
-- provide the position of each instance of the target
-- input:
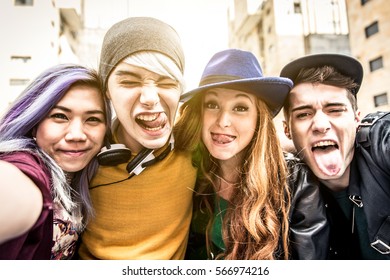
(300, 177)
(294, 163)
(31, 165)
(373, 127)
(374, 135)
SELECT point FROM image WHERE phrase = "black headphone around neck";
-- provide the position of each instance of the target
(115, 154)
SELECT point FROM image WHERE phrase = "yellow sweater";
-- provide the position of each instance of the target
(145, 217)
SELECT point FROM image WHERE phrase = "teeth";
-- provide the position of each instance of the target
(325, 143)
(148, 117)
(153, 128)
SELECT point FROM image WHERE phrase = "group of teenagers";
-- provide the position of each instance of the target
(121, 163)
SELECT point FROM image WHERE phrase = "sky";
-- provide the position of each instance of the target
(201, 24)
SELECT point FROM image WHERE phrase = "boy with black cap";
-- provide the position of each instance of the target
(322, 120)
(142, 193)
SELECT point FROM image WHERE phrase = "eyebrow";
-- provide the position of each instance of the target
(237, 95)
(66, 109)
(120, 73)
(304, 107)
(127, 73)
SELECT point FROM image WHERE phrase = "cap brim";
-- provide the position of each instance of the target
(272, 90)
(346, 65)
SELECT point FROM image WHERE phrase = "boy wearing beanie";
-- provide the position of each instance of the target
(142, 193)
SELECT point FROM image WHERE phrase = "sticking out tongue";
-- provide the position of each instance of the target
(328, 160)
(222, 138)
(153, 121)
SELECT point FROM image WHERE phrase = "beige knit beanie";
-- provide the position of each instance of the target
(138, 34)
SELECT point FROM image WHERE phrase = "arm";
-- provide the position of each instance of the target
(309, 229)
(20, 200)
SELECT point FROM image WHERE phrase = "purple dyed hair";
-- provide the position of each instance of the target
(32, 106)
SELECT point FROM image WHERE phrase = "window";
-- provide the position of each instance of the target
(371, 29)
(24, 2)
(297, 8)
(364, 2)
(376, 64)
(18, 82)
(20, 58)
(380, 100)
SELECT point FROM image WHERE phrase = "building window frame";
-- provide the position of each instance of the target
(372, 29)
(381, 99)
(21, 58)
(376, 64)
(18, 81)
(24, 2)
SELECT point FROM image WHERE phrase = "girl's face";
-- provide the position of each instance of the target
(73, 131)
(229, 122)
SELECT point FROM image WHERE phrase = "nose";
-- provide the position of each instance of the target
(321, 123)
(224, 119)
(149, 95)
(75, 132)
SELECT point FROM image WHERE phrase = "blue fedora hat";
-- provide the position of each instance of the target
(344, 64)
(240, 70)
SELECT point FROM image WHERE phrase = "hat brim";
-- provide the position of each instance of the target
(272, 90)
(345, 65)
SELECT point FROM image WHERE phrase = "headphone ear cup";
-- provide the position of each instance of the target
(116, 154)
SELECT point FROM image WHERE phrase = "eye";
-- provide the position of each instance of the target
(59, 116)
(336, 110)
(241, 108)
(94, 119)
(211, 105)
(130, 83)
(168, 84)
(302, 115)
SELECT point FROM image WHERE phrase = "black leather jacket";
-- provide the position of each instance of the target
(369, 189)
(309, 229)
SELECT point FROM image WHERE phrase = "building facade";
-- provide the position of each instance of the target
(279, 31)
(369, 27)
(36, 34)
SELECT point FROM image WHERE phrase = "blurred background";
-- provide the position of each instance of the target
(37, 34)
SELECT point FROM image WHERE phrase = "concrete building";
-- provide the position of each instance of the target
(369, 27)
(36, 34)
(278, 31)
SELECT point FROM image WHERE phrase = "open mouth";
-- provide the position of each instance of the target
(328, 157)
(152, 121)
(325, 146)
(222, 138)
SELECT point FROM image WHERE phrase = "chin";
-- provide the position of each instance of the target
(156, 144)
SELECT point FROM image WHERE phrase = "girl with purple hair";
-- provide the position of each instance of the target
(48, 141)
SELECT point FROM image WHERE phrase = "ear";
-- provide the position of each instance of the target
(286, 130)
(358, 116)
(358, 119)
